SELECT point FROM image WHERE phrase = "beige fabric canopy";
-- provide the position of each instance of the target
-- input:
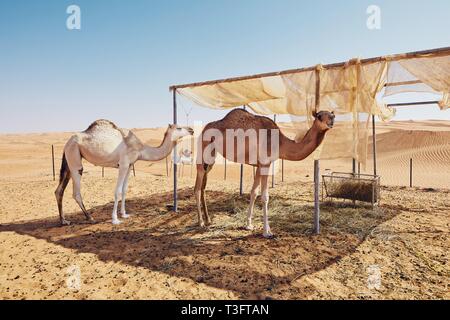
(350, 88)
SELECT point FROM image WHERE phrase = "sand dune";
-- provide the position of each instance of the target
(429, 150)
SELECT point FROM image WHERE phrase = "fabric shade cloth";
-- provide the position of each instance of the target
(350, 89)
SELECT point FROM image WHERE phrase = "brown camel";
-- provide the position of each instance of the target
(241, 120)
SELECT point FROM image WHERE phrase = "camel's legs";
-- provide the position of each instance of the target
(59, 193)
(75, 165)
(265, 199)
(203, 199)
(201, 172)
(253, 195)
(123, 212)
(76, 178)
(123, 171)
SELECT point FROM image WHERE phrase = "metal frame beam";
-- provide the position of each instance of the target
(411, 104)
(175, 181)
(395, 57)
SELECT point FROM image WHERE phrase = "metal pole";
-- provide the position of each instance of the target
(273, 164)
(175, 199)
(241, 178)
(53, 163)
(316, 164)
(134, 171)
(282, 170)
(273, 174)
(374, 146)
(241, 187)
(354, 166)
(411, 104)
(316, 197)
(395, 57)
(103, 172)
(410, 172)
(167, 166)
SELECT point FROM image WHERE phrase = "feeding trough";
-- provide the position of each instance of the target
(352, 186)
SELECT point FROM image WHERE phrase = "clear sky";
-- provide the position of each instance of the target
(120, 64)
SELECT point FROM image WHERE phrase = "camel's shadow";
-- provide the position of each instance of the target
(224, 256)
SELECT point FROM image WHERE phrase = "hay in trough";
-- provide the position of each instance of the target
(361, 190)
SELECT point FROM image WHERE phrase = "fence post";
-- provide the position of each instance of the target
(410, 172)
(225, 169)
(53, 163)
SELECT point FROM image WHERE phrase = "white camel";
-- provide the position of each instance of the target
(104, 144)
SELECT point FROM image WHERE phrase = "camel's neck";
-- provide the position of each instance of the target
(296, 151)
(158, 153)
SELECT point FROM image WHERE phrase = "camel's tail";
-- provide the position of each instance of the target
(64, 168)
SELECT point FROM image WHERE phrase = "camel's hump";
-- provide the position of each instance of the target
(243, 118)
(102, 123)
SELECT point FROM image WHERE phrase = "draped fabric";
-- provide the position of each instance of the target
(350, 90)
(433, 72)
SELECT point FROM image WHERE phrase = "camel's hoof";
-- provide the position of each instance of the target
(116, 222)
(268, 235)
(249, 227)
(125, 216)
(208, 222)
(65, 223)
(201, 225)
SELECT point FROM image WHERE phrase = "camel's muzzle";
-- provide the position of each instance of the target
(331, 122)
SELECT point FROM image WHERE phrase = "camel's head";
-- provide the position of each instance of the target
(177, 132)
(324, 119)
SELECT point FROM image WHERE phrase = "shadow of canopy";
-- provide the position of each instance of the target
(224, 256)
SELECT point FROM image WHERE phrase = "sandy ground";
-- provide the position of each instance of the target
(397, 251)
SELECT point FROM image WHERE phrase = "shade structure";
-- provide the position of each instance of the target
(351, 89)
(344, 87)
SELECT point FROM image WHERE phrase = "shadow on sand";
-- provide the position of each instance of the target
(224, 256)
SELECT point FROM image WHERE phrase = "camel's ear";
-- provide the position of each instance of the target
(171, 126)
(332, 112)
(314, 114)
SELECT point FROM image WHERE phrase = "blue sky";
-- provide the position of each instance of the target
(120, 64)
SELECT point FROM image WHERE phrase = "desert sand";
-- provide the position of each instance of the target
(157, 254)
